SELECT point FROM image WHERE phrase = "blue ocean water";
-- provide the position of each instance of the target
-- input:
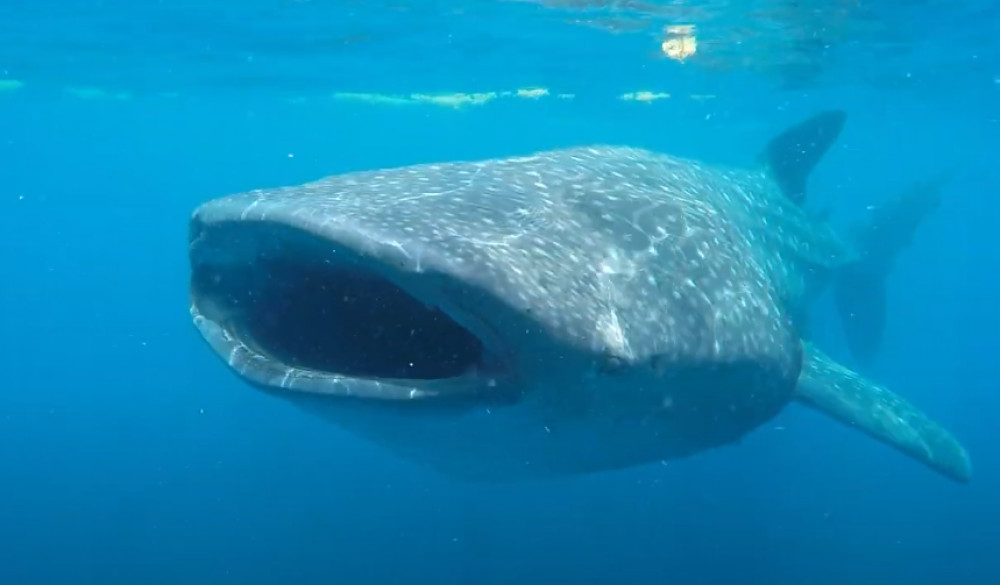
(128, 453)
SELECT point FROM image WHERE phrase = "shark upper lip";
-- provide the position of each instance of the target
(291, 308)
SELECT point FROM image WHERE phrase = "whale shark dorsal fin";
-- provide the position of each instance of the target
(792, 155)
(860, 403)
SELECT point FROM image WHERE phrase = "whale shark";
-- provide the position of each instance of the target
(565, 312)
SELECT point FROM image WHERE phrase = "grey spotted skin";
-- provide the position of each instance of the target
(616, 306)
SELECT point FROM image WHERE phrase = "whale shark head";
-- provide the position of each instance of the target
(328, 306)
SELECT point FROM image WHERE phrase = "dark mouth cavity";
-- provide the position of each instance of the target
(306, 305)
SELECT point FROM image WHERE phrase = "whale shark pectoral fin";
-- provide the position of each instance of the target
(792, 155)
(861, 403)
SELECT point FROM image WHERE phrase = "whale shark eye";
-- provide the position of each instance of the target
(660, 365)
(611, 365)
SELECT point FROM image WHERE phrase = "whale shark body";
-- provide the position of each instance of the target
(566, 312)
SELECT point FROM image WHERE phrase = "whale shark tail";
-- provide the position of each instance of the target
(859, 287)
(880, 413)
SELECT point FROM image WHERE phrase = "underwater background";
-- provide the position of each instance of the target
(129, 454)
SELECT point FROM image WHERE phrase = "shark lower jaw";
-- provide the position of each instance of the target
(295, 311)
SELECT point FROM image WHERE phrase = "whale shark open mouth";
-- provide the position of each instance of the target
(291, 309)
